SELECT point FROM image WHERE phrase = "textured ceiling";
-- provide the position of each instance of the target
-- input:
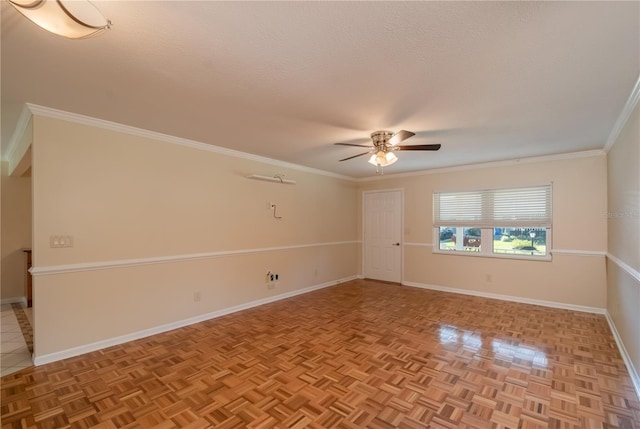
(488, 80)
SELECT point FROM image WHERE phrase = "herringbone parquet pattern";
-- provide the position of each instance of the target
(359, 355)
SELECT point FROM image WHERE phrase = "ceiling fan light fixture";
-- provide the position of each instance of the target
(383, 159)
(73, 19)
(385, 143)
(390, 158)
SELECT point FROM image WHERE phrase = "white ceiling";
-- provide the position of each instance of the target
(489, 81)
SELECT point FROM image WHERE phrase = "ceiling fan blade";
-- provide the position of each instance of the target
(355, 156)
(400, 136)
(353, 144)
(419, 147)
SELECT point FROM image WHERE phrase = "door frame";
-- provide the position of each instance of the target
(363, 222)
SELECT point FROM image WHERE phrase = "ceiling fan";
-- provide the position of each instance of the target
(384, 144)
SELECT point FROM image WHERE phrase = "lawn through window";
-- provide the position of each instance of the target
(520, 241)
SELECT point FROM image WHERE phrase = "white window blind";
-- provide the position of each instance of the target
(518, 207)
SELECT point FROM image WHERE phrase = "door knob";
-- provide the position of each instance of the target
(395, 244)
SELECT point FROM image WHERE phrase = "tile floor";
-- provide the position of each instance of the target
(14, 352)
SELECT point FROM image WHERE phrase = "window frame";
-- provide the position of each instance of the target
(484, 253)
(487, 225)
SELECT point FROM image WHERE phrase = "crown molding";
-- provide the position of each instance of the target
(628, 108)
(49, 112)
(18, 133)
(492, 164)
(33, 109)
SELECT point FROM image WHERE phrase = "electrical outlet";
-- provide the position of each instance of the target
(277, 277)
(270, 280)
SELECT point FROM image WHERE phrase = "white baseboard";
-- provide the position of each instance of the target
(87, 348)
(635, 379)
(512, 298)
(19, 299)
(52, 357)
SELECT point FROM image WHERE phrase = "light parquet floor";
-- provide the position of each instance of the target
(362, 354)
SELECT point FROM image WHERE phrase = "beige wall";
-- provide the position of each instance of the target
(16, 233)
(579, 226)
(623, 284)
(623, 194)
(131, 201)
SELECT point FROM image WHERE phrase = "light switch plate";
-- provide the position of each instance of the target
(57, 241)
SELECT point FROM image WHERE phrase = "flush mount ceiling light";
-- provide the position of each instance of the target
(74, 19)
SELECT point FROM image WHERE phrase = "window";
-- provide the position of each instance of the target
(450, 238)
(514, 222)
(520, 241)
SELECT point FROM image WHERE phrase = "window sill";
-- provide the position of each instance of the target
(546, 258)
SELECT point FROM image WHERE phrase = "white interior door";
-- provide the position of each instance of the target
(382, 234)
